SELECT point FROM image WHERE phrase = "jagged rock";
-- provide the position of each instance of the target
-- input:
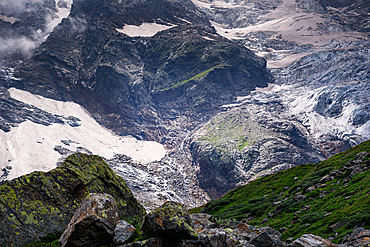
(169, 220)
(362, 155)
(335, 173)
(123, 232)
(359, 237)
(155, 242)
(211, 237)
(356, 170)
(311, 188)
(41, 203)
(93, 223)
(310, 240)
(202, 221)
(262, 240)
(229, 235)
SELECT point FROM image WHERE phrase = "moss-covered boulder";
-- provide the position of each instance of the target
(35, 205)
(171, 220)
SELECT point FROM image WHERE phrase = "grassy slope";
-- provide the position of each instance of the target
(198, 76)
(341, 199)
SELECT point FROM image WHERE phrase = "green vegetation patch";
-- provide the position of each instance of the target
(237, 127)
(198, 76)
(283, 198)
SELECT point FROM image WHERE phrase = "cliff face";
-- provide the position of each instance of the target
(38, 204)
(139, 85)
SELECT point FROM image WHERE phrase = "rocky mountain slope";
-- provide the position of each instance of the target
(328, 199)
(318, 104)
(232, 90)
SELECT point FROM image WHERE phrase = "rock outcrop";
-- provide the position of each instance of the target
(310, 240)
(38, 204)
(93, 223)
(171, 220)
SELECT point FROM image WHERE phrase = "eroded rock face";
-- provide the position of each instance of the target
(359, 237)
(93, 223)
(123, 232)
(171, 220)
(38, 204)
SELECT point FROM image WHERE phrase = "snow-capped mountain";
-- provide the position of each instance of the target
(184, 99)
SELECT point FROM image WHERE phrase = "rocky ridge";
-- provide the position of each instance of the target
(146, 87)
(171, 225)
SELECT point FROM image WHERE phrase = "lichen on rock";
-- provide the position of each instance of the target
(37, 204)
(170, 220)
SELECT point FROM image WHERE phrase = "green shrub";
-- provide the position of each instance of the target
(363, 217)
(314, 178)
(236, 211)
(255, 200)
(312, 217)
(258, 209)
(215, 205)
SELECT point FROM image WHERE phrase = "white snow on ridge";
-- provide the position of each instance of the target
(144, 30)
(341, 125)
(30, 146)
(61, 14)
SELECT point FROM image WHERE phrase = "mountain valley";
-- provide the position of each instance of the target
(184, 100)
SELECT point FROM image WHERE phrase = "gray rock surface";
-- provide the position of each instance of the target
(310, 240)
(123, 232)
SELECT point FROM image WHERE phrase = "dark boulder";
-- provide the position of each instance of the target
(202, 221)
(171, 220)
(93, 223)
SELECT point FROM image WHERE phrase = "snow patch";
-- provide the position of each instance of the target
(63, 12)
(30, 146)
(144, 30)
(9, 19)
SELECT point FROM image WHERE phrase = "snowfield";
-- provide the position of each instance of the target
(144, 30)
(30, 146)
